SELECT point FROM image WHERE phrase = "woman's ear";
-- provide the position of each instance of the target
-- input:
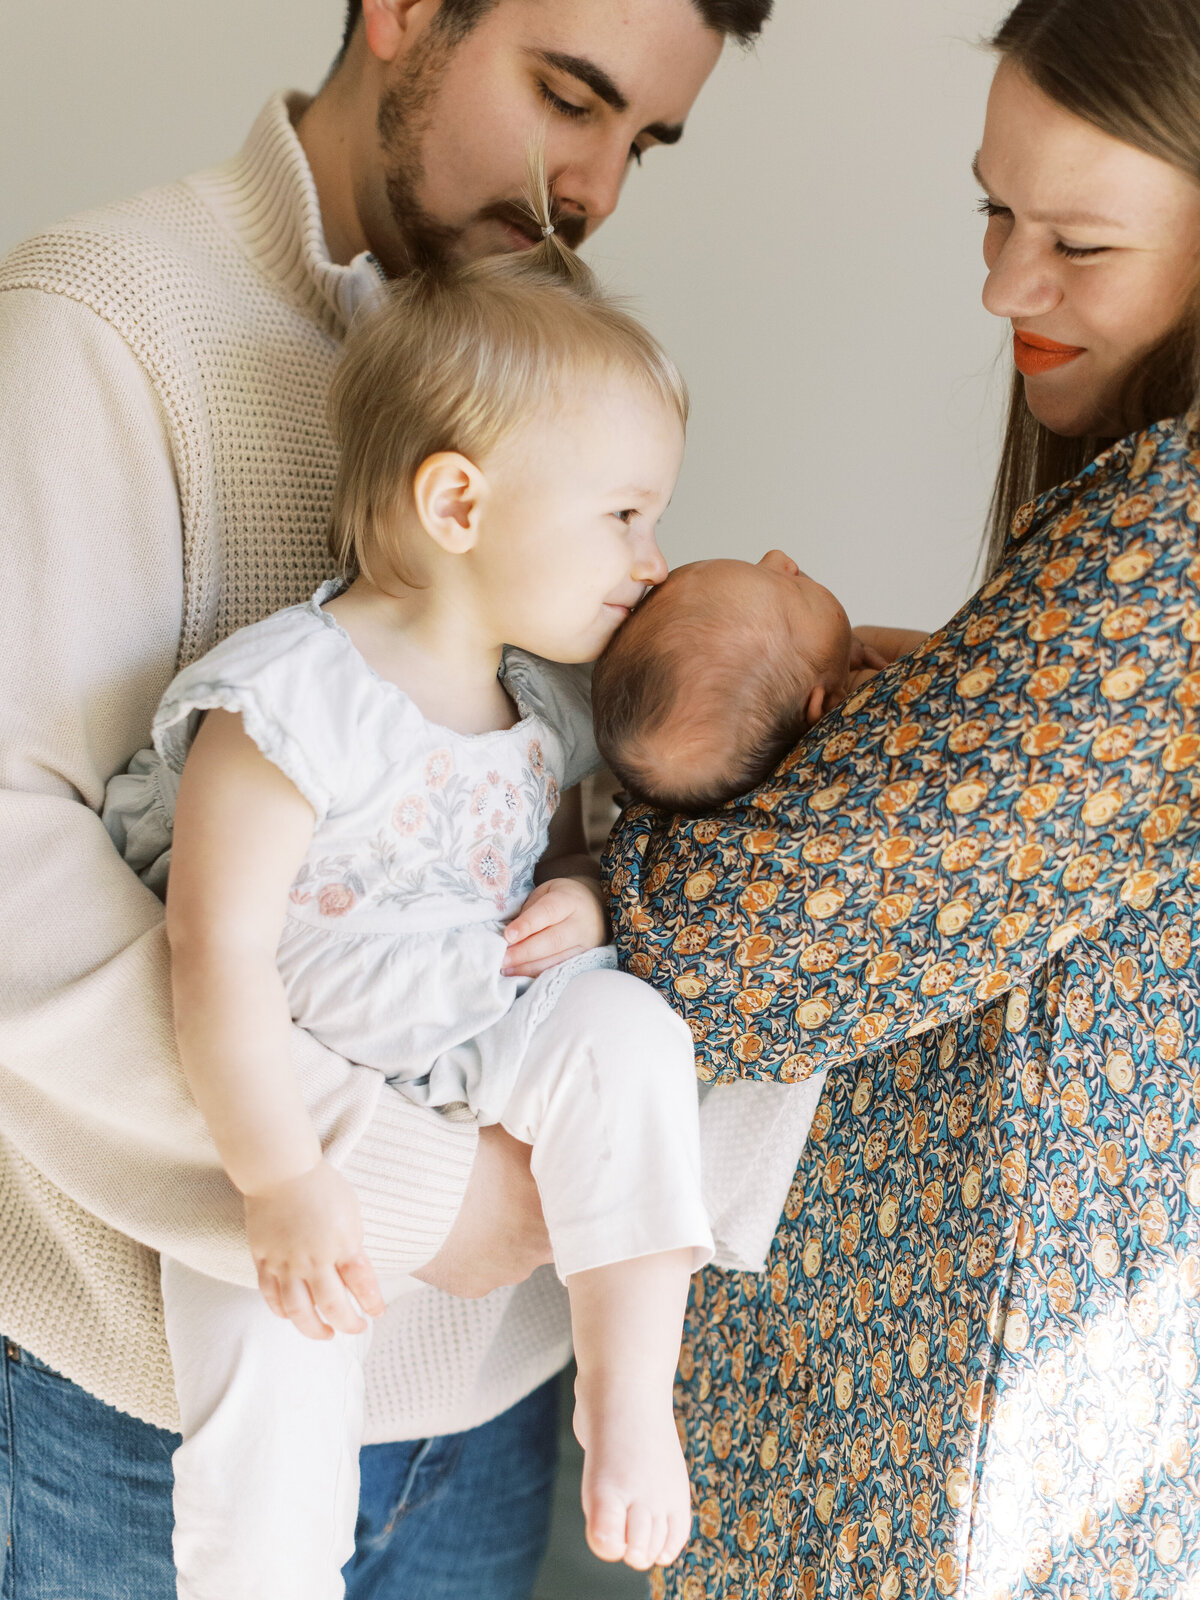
(448, 495)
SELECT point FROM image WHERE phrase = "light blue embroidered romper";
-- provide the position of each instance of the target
(425, 845)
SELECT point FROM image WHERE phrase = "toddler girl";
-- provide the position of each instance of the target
(369, 787)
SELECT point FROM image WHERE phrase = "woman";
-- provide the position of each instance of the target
(971, 1367)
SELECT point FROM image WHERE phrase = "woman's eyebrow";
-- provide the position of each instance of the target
(1064, 219)
(594, 77)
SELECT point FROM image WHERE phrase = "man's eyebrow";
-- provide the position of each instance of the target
(594, 77)
(1065, 219)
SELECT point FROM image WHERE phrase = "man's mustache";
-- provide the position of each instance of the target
(570, 226)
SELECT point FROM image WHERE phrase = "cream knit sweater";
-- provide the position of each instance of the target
(165, 477)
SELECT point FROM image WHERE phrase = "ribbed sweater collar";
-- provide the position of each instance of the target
(267, 197)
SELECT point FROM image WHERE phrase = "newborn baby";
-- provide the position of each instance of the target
(716, 676)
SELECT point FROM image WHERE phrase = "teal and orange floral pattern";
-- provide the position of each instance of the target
(971, 1366)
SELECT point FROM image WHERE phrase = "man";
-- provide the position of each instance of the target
(165, 474)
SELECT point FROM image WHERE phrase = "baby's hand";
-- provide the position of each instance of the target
(562, 917)
(888, 644)
(865, 661)
(306, 1239)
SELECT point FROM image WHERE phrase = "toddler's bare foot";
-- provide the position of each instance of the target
(636, 1495)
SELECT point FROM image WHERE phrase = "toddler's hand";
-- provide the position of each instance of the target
(562, 917)
(306, 1239)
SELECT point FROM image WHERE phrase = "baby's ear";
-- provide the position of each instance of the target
(815, 709)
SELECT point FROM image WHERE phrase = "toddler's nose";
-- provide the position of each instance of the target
(650, 567)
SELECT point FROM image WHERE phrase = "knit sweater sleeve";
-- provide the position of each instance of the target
(90, 1088)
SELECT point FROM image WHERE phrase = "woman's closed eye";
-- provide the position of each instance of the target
(1080, 252)
(990, 209)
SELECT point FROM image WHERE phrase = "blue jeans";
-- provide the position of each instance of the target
(85, 1501)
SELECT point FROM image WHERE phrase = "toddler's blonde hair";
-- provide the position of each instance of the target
(458, 359)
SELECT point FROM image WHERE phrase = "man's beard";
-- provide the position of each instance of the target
(406, 112)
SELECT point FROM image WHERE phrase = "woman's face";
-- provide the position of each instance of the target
(1092, 250)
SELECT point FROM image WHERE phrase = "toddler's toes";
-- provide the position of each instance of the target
(658, 1537)
(639, 1538)
(606, 1526)
(678, 1527)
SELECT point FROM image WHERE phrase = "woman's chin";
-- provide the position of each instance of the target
(1071, 416)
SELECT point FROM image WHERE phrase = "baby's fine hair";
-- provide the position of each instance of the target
(689, 712)
(457, 359)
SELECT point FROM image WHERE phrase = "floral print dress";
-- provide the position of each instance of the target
(971, 1365)
(425, 844)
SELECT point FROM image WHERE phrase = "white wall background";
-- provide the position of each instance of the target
(809, 253)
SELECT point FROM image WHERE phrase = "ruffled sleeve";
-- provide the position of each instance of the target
(561, 696)
(278, 676)
(1032, 769)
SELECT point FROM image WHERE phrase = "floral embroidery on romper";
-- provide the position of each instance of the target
(474, 838)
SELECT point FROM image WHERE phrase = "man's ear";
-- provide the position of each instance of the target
(815, 709)
(390, 25)
(449, 494)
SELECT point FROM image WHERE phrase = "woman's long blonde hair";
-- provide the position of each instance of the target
(1132, 69)
(459, 358)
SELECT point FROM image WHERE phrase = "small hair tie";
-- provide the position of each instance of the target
(548, 230)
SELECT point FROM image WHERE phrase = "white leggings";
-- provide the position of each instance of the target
(266, 1479)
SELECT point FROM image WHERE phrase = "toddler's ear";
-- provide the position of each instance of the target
(817, 705)
(448, 495)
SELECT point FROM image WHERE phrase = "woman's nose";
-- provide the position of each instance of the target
(1022, 281)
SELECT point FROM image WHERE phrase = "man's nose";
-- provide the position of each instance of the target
(591, 183)
(1022, 282)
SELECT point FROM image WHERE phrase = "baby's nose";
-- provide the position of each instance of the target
(780, 561)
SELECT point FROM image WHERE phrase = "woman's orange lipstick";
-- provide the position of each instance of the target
(1035, 355)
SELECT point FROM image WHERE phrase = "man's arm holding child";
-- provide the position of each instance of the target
(91, 1093)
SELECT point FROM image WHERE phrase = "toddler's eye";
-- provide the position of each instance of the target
(625, 516)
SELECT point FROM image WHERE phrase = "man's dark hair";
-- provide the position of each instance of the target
(742, 19)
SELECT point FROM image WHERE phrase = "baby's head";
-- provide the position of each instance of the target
(508, 432)
(715, 677)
